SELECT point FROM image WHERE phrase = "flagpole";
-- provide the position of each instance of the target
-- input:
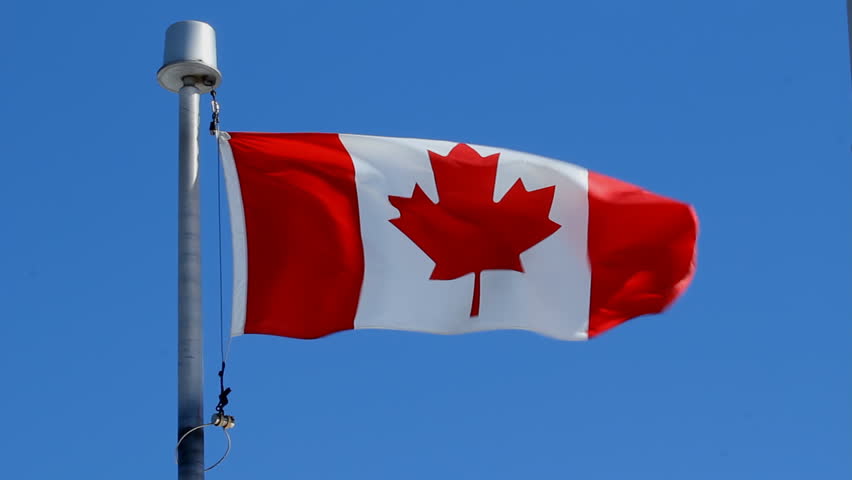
(189, 69)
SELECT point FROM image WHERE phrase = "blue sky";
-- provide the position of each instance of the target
(741, 108)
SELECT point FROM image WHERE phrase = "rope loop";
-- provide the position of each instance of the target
(225, 422)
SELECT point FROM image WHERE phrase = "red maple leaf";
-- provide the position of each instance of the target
(467, 231)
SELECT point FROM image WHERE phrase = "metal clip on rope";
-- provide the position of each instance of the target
(226, 422)
(214, 121)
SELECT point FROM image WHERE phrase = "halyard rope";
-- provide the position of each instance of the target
(219, 419)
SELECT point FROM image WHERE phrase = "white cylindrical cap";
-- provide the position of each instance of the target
(190, 52)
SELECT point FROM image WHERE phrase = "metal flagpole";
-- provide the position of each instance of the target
(189, 69)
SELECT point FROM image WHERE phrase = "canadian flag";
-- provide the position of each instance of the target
(335, 232)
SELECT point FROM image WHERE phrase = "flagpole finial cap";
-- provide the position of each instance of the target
(190, 52)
